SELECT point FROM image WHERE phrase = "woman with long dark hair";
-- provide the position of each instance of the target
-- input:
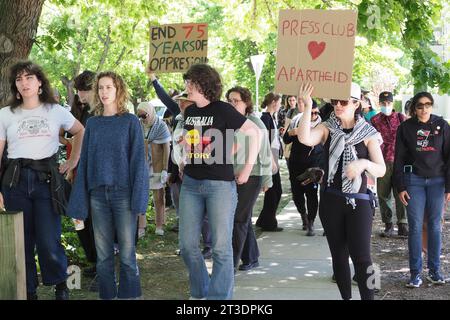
(30, 125)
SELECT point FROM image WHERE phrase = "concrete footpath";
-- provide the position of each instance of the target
(292, 266)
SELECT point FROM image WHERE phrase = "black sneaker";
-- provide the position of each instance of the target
(388, 230)
(403, 230)
(415, 281)
(435, 278)
(248, 266)
(310, 232)
(61, 291)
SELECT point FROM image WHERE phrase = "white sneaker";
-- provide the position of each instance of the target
(159, 231)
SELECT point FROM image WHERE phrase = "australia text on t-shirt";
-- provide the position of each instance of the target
(212, 146)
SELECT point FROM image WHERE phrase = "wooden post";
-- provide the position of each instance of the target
(12, 256)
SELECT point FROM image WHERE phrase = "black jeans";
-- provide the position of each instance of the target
(348, 233)
(298, 195)
(243, 234)
(267, 218)
(87, 241)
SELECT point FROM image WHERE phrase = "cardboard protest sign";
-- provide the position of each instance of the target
(175, 47)
(316, 46)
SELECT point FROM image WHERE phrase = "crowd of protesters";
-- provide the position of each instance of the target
(217, 157)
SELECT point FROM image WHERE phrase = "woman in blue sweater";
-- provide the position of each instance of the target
(112, 181)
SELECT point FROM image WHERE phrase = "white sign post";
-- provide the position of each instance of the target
(257, 63)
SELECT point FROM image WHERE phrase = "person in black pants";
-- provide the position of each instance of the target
(245, 247)
(81, 110)
(346, 206)
(303, 157)
(267, 220)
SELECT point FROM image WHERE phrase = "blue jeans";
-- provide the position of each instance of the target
(42, 228)
(427, 197)
(111, 214)
(219, 199)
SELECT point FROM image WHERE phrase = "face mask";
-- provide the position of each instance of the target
(386, 110)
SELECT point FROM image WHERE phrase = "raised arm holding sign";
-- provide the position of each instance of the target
(316, 46)
(176, 47)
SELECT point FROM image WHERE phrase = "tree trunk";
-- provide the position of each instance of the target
(69, 84)
(18, 26)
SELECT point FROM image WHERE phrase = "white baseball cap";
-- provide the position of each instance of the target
(355, 91)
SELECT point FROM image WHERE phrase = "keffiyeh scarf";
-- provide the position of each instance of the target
(343, 145)
(159, 132)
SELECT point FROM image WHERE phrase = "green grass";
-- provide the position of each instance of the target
(163, 273)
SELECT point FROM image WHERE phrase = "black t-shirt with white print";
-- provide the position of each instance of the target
(208, 140)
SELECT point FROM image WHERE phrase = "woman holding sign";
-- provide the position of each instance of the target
(352, 147)
(209, 181)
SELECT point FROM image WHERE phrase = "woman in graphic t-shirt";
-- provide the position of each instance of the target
(30, 125)
(209, 181)
(422, 177)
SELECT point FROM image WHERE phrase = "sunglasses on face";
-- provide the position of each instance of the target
(315, 113)
(143, 116)
(421, 106)
(342, 102)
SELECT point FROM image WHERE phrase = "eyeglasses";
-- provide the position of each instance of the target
(143, 116)
(342, 102)
(315, 113)
(421, 106)
(234, 101)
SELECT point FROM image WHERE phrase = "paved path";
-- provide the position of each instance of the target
(292, 265)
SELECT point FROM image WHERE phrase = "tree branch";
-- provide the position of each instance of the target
(270, 14)
(121, 55)
(106, 42)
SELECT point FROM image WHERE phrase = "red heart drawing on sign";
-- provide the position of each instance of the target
(316, 49)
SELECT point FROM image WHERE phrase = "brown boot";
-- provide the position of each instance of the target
(403, 230)
(388, 230)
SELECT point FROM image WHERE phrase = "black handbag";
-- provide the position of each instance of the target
(311, 175)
